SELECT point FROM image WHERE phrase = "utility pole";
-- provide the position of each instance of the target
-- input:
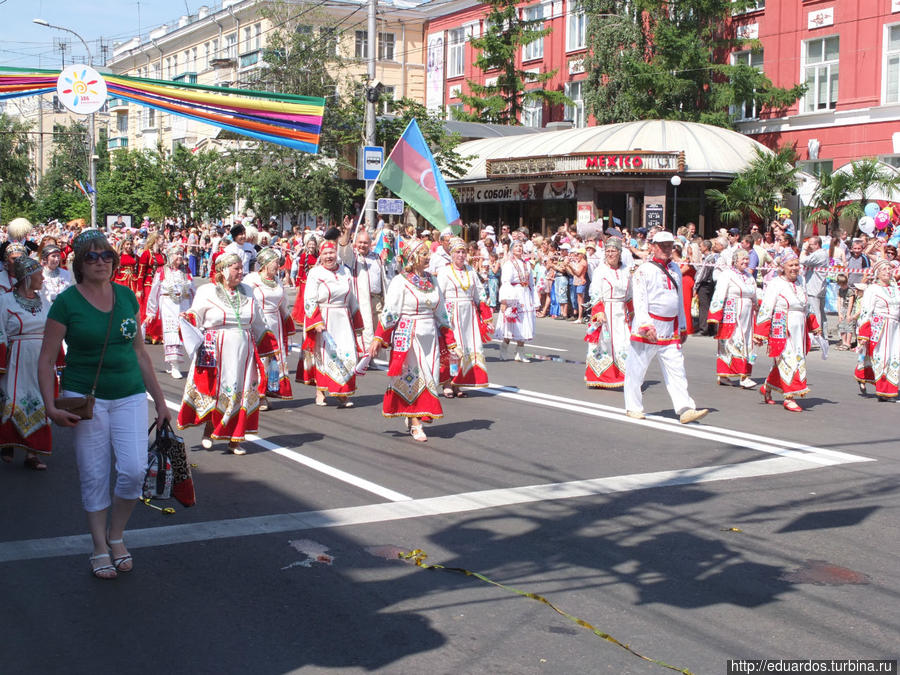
(372, 91)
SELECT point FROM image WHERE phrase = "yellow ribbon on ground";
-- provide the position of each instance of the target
(418, 557)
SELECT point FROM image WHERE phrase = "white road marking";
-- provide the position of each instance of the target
(528, 345)
(168, 535)
(321, 467)
(808, 453)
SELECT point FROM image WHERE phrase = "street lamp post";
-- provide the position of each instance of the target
(91, 163)
(675, 181)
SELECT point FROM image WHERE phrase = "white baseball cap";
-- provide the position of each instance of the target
(663, 237)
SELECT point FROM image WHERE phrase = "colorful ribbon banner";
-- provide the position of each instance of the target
(285, 119)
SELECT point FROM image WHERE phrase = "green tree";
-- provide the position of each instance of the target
(652, 59)
(505, 35)
(15, 168)
(866, 177)
(57, 196)
(829, 195)
(757, 190)
(127, 186)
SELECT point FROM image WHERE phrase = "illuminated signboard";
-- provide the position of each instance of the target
(586, 163)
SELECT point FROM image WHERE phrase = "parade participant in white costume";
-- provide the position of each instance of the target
(56, 279)
(332, 319)
(274, 379)
(611, 311)
(411, 325)
(515, 321)
(783, 321)
(465, 297)
(658, 330)
(221, 390)
(170, 294)
(23, 315)
(878, 334)
(733, 308)
(441, 256)
(368, 277)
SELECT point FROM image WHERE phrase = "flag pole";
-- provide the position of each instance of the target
(371, 190)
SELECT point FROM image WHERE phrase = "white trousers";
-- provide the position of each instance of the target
(671, 360)
(118, 429)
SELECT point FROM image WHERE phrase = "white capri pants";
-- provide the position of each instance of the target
(119, 427)
(671, 360)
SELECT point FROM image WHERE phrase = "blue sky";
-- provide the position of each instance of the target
(24, 44)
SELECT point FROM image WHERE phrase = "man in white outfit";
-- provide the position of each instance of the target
(658, 330)
(369, 283)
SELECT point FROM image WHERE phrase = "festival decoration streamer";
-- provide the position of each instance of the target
(418, 557)
(290, 120)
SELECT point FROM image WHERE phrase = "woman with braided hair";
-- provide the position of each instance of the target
(221, 390)
(411, 324)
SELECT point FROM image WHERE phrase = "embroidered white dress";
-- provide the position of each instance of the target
(276, 381)
(607, 352)
(222, 383)
(733, 308)
(55, 282)
(413, 318)
(782, 320)
(24, 421)
(464, 294)
(879, 335)
(329, 302)
(516, 290)
(171, 293)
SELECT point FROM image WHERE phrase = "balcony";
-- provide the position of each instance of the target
(116, 104)
(117, 143)
(187, 78)
(250, 59)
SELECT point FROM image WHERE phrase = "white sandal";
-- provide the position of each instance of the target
(418, 433)
(102, 572)
(120, 562)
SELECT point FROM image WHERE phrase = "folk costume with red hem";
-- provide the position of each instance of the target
(785, 321)
(23, 422)
(878, 334)
(733, 308)
(223, 379)
(171, 293)
(411, 324)
(305, 262)
(470, 317)
(330, 355)
(148, 264)
(274, 377)
(607, 352)
(517, 293)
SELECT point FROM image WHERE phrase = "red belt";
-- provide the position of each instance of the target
(663, 318)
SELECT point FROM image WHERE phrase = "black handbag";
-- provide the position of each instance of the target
(168, 471)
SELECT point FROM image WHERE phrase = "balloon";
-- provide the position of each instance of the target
(882, 219)
(871, 209)
(866, 225)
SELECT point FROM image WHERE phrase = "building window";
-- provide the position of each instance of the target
(746, 110)
(257, 36)
(156, 72)
(456, 52)
(575, 112)
(454, 111)
(534, 49)
(820, 72)
(122, 124)
(215, 49)
(387, 100)
(892, 71)
(248, 34)
(328, 36)
(361, 48)
(576, 22)
(149, 115)
(206, 56)
(385, 46)
(533, 114)
(231, 46)
(751, 7)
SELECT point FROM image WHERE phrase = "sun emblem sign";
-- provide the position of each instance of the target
(81, 89)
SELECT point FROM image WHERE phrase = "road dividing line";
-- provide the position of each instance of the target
(808, 453)
(321, 467)
(167, 535)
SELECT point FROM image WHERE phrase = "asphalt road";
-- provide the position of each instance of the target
(693, 545)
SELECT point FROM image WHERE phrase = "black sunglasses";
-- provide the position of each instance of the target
(93, 256)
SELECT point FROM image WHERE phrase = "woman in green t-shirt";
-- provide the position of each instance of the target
(83, 315)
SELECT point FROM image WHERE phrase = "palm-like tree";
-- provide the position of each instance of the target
(826, 201)
(868, 175)
(756, 190)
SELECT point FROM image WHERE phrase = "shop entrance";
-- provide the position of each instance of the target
(612, 208)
